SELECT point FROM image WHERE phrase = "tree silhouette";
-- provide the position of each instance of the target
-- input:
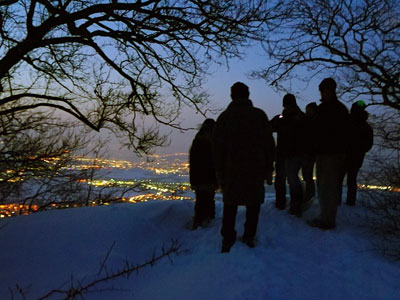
(108, 63)
(356, 42)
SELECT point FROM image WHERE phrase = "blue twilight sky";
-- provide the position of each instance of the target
(218, 86)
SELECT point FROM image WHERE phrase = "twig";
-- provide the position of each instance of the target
(105, 259)
(127, 270)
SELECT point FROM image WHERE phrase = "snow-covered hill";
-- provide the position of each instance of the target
(49, 250)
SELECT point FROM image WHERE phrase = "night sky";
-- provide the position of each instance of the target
(218, 86)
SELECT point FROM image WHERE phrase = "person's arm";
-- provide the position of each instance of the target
(270, 151)
(192, 164)
(218, 143)
(370, 138)
(274, 123)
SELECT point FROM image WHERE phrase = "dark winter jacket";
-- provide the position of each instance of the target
(201, 163)
(290, 132)
(361, 138)
(309, 142)
(244, 152)
(332, 128)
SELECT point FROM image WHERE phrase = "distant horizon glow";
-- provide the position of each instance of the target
(217, 85)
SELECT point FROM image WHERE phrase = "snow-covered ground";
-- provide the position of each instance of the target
(48, 250)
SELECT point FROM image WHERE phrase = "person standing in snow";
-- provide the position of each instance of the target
(277, 124)
(331, 133)
(290, 154)
(361, 141)
(307, 169)
(202, 174)
(244, 154)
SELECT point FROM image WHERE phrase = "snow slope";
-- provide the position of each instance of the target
(47, 250)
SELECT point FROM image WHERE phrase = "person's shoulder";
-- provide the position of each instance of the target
(259, 112)
(299, 115)
(277, 119)
(333, 107)
(342, 106)
(366, 125)
(222, 115)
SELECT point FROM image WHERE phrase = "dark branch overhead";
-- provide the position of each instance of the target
(357, 42)
(117, 60)
(7, 2)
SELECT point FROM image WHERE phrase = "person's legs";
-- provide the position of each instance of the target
(280, 184)
(207, 206)
(329, 181)
(293, 165)
(210, 204)
(197, 210)
(342, 176)
(354, 165)
(307, 171)
(352, 173)
(228, 231)
(250, 227)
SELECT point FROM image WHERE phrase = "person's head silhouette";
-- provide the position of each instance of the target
(311, 109)
(239, 91)
(358, 110)
(327, 88)
(289, 100)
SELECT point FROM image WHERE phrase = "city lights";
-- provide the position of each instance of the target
(13, 209)
(82, 163)
(176, 164)
(378, 187)
(142, 190)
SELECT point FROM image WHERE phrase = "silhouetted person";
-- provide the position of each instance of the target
(244, 153)
(331, 128)
(277, 124)
(290, 153)
(307, 169)
(361, 140)
(202, 174)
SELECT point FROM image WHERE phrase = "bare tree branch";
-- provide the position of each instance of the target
(154, 52)
(354, 41)
(78, 289)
